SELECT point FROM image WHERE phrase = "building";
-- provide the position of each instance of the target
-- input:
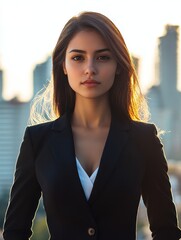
(164, 98)
(13, 119)
(136, 62)
(168, 66)
(41, 75)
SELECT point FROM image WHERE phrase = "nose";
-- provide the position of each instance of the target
(90, 68)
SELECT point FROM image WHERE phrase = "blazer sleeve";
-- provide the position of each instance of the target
(25, 194)
(156, 192)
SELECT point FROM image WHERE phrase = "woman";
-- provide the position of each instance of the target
(99, 156)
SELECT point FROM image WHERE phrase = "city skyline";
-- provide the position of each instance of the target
(164, 111)
(29, 36)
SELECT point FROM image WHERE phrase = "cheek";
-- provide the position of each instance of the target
(73, 80)
(72, 70)
(110, 73)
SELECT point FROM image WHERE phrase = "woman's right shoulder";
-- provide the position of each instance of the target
(39, 130)
(41, 127)
(37, 135)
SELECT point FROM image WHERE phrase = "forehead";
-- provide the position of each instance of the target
(87, 39)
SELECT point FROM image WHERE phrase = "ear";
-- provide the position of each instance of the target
(64, 68)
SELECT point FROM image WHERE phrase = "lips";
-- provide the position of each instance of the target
(90, 82)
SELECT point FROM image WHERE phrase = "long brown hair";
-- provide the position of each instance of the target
(126, 99)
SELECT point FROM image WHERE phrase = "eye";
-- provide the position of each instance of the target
(103, 58)
(78, 58)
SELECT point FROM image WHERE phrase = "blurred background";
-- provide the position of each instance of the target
(28, 33)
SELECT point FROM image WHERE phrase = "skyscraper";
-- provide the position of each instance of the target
(13, 119)
(165, 99)
(41, 75)
(168, 65)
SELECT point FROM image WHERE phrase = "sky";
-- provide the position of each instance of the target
(29, 31)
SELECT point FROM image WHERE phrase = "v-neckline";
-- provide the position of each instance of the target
(86, 181)
(93, 173)
(62, 136)
(105, 143)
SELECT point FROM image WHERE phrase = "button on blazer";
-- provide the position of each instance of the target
(132, 165)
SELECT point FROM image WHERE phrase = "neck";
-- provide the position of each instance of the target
(91, 113)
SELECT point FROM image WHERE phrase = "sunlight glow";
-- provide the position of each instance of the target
(29, 31)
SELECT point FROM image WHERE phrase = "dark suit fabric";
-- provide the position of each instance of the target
(132, 165)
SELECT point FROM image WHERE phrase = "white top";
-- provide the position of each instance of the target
(86, 181)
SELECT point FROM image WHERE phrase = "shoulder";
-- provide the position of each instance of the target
(43, 130)
(138, 129)
(38, 135)
(41, 126)
(40, 129)
(147, 142)
(142, 127)
(57, 124)
(144, 133)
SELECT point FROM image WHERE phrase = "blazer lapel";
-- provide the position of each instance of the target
(117, 138)
(62, 145)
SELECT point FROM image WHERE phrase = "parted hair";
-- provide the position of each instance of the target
(126, 98)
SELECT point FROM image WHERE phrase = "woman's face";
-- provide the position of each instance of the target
(89, 65)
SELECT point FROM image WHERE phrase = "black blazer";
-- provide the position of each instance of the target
(132, 164)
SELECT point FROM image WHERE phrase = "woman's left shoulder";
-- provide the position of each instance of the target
(146, 132)
(143, 127)
(147, 137)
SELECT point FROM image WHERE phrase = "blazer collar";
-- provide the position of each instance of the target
(63, 152)
(116, 140)
(61, 123)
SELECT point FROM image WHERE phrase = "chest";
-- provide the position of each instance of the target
(89, 146)
(121, 169)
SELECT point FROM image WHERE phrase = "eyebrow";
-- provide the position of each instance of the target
(82, 51)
